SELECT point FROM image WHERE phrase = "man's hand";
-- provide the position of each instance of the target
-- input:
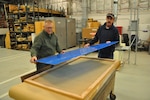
(108, 41)
(62, 51)
(87, 45)
(33, 59)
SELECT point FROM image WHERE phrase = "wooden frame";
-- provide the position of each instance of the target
(90, 91)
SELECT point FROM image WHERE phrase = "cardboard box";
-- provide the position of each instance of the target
(89, 32)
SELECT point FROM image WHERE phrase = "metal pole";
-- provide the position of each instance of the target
(130, 34)
(84, 13)
(115, 10)
(135, 31)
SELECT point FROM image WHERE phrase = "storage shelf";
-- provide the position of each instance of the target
(22, 22)
(20, 32)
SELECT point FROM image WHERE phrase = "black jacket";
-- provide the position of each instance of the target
(104, 35)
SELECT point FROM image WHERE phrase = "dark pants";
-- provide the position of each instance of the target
(107, 55)
(42, 67)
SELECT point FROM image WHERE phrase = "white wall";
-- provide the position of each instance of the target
(99, 11)
(124, 21)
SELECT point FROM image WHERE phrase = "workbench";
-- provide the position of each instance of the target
(82, 78)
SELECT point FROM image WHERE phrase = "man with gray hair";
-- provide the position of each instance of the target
(45, 44)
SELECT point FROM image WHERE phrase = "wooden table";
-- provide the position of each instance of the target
(82, 78)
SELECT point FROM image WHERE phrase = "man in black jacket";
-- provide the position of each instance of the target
(105, 34)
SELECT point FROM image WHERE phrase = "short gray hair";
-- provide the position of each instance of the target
(48, 21)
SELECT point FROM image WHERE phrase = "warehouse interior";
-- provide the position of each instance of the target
(75, 24)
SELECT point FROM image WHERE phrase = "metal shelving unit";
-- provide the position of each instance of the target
(21, 22)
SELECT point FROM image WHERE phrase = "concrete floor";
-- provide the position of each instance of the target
(132, 81)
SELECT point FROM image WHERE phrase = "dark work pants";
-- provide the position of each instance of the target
(108, 55)
(42, 66)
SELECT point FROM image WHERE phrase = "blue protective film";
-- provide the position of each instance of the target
(57, 59)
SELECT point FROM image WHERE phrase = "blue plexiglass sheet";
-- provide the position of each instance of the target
(60, 58)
